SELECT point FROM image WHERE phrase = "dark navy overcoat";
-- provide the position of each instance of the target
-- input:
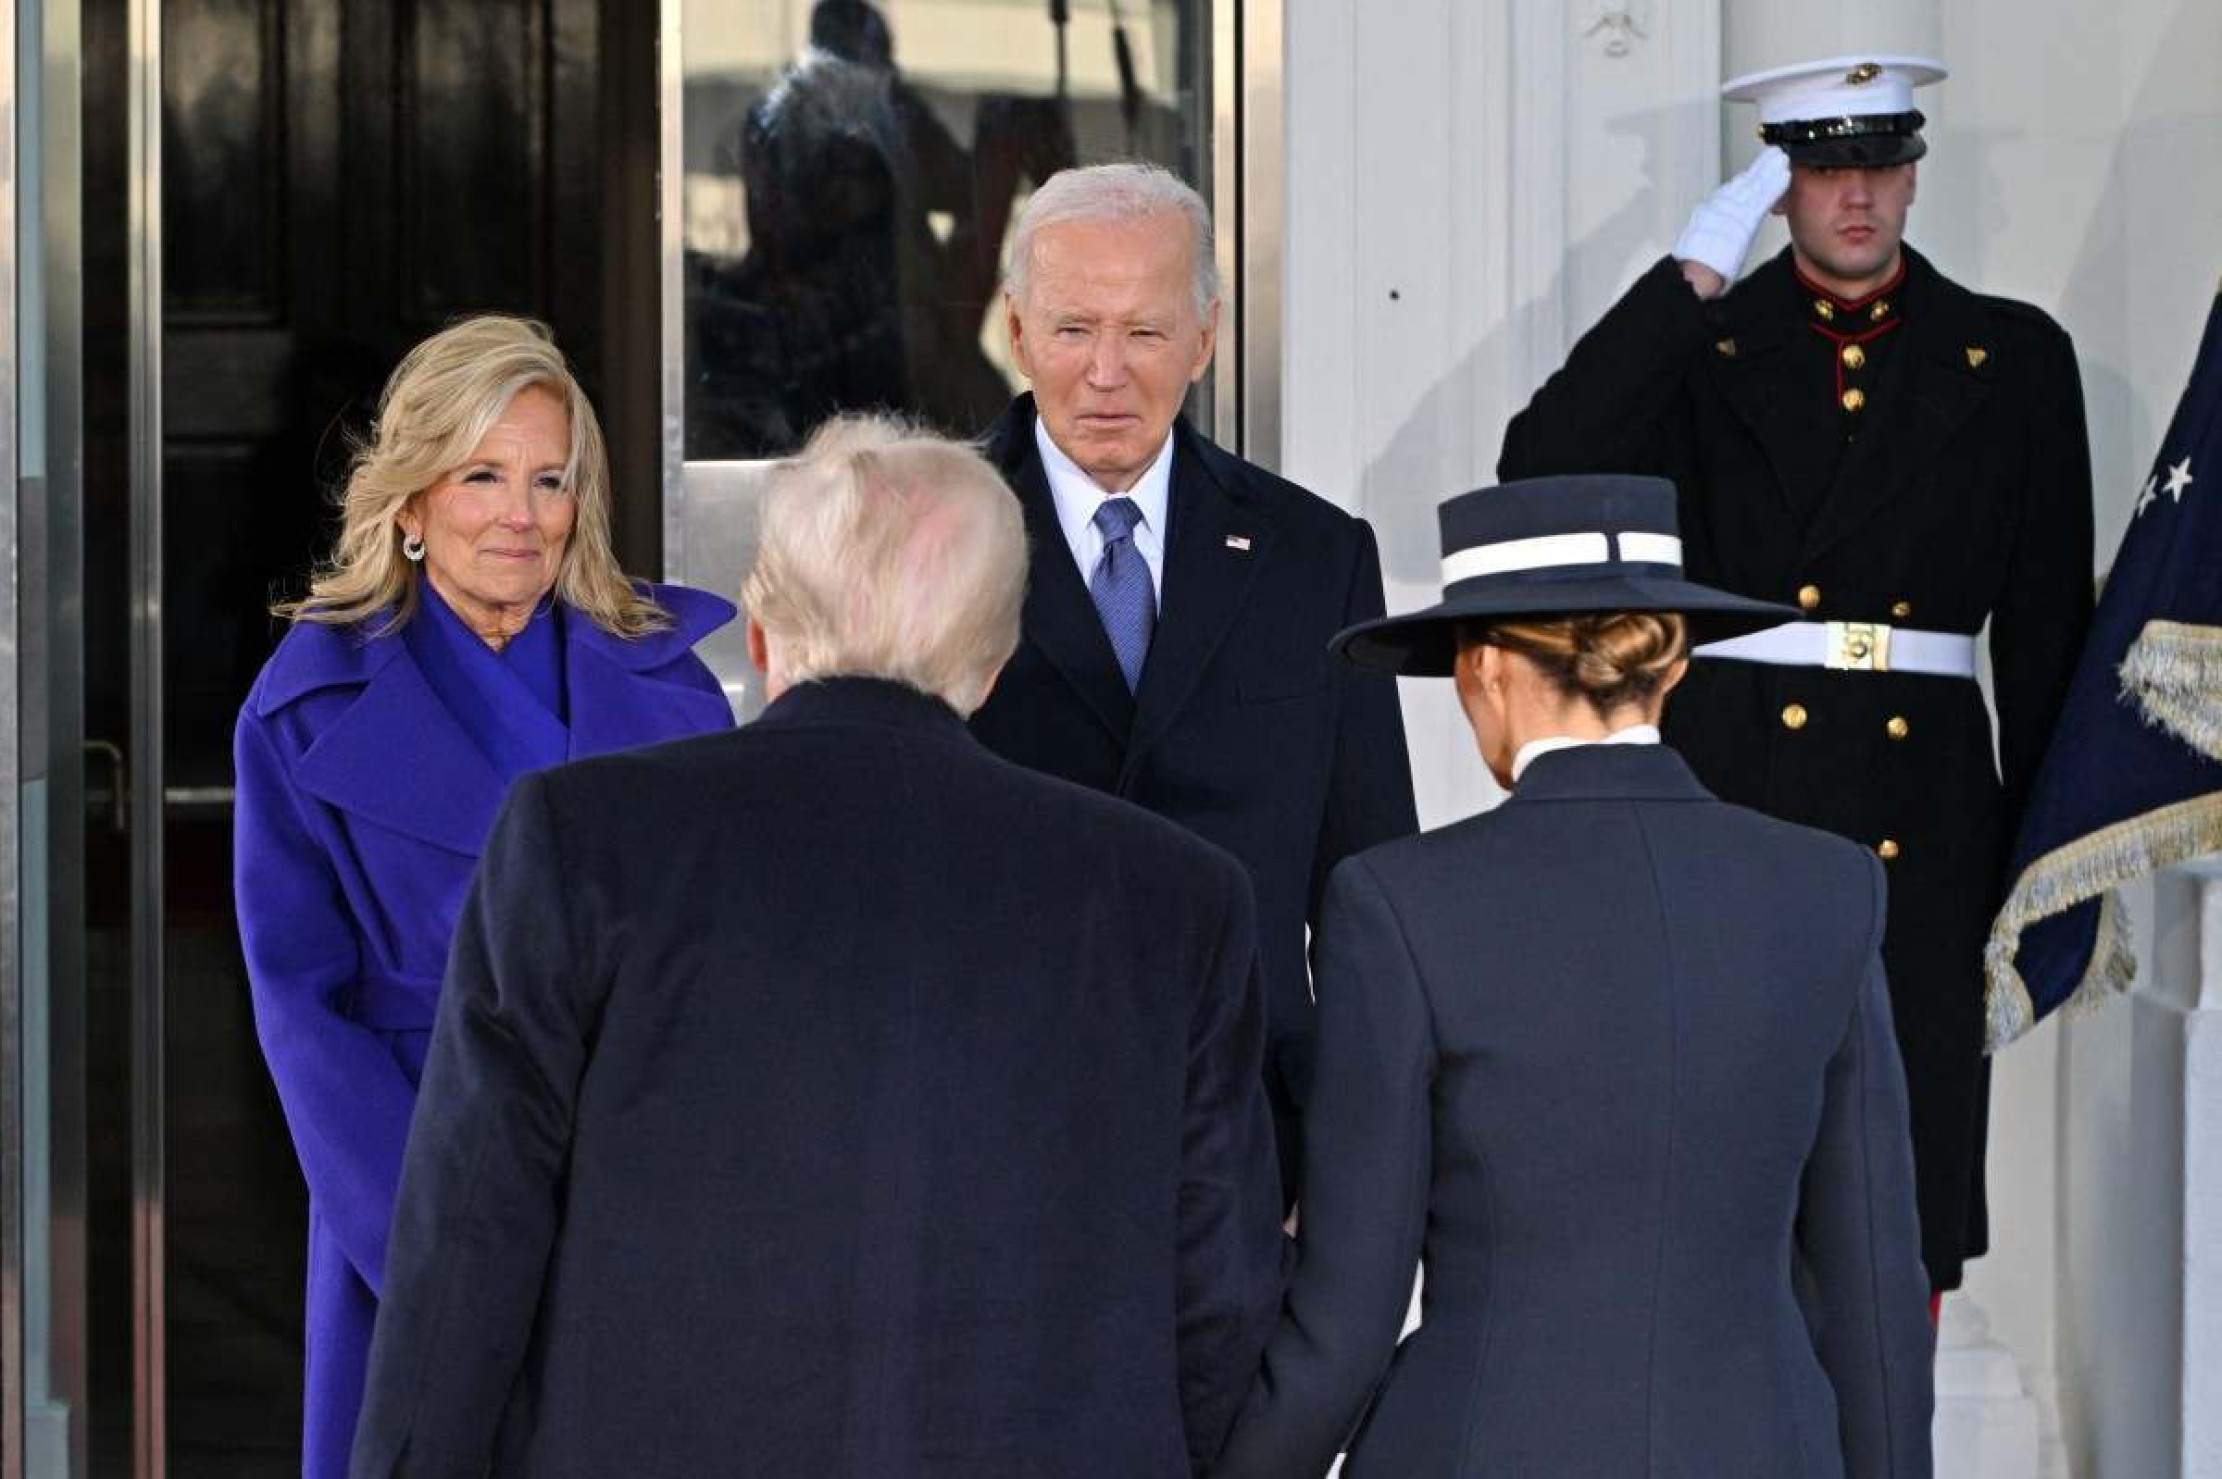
(832, 1100)
(1243, 730)
(1615, 1060)
(362, 807)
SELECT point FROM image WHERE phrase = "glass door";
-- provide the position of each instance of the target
(840, 181)
(226, 220)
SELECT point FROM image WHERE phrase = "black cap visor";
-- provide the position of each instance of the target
(1873, 141)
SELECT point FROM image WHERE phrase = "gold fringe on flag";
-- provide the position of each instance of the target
(2173, 673)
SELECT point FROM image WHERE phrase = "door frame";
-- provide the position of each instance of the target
(43, 1168)
(149, 1294)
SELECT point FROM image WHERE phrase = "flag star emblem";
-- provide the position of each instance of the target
(2179, 478)
(2146, 494)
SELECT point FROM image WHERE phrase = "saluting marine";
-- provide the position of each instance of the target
(1902, 459)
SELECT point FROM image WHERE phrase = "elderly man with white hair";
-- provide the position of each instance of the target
(1181, 600)
(833, 1098)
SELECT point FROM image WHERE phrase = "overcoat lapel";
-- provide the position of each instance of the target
(398, 758)
(1218, 538)
(1941, 385)
(1061, 619)
(617, 701)
(1750, 370)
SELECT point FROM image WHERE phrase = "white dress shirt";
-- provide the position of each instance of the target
(1634, 734)
(1077, 498)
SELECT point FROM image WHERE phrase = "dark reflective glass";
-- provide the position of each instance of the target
(852, 172)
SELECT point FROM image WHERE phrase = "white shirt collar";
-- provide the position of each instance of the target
(1077, 498)
(1634, 734)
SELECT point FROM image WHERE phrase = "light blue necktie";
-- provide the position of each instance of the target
(1121, 588)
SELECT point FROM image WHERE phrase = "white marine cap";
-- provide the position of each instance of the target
(1846, 110)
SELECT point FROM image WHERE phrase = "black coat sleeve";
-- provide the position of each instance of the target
(1619, 403)
(1367, 1156)
(481, 1180)
(1860, 1241)
(2043, 610)
(1230, 1205)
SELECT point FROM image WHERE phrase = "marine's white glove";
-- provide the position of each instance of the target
(1721, 228)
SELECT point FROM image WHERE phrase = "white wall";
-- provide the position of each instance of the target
(1471, 182)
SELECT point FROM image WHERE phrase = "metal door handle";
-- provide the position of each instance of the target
(119, 790)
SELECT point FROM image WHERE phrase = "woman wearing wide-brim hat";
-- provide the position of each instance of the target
(1614, 1061)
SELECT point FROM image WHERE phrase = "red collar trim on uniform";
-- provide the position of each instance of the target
(1830, 312)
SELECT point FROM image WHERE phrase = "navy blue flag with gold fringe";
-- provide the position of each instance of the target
(2133, 779)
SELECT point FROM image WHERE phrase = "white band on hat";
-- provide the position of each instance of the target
(1651, 549)
(1550, 550)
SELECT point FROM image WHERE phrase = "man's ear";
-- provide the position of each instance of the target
(1209, 345)
(759, 650)
(1015, 326)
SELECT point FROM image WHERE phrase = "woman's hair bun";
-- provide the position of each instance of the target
(1611, 658)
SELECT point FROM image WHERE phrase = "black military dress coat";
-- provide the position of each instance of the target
(1918, 459)
(1244, 730)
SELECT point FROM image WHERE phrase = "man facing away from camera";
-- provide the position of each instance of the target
(832, 1097)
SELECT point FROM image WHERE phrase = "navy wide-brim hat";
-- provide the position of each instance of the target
(1546, 547)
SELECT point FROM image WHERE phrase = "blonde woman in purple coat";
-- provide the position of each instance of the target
(472, 626)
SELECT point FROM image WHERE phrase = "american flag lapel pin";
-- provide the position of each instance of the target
(1239, 541)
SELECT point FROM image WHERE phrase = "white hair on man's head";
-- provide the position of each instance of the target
(1131, 191)
(889, 552)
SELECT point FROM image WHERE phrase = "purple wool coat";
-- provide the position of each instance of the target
(362, 807)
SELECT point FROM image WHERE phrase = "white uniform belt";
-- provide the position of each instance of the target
(1854, 647)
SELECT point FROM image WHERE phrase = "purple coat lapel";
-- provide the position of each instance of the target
(627, 694)
(396, 757)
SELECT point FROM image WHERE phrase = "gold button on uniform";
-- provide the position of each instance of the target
(1887, 850)
(1809, 597)
(1901, 609)
(1897, 728)
(1824, 307)
(1854, 398)
(1854, 356)
(1880, 311)
(1794, 717)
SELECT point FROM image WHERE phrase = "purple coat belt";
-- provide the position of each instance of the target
(362, 806)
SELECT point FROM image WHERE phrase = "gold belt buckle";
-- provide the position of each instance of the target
(1858, 647)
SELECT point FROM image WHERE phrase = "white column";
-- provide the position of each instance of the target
(2150, 1347)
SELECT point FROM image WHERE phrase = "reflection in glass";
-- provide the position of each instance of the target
(852, 170)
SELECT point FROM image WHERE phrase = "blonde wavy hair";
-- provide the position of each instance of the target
(1611, 658)
(440, 402)
(889, 552)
